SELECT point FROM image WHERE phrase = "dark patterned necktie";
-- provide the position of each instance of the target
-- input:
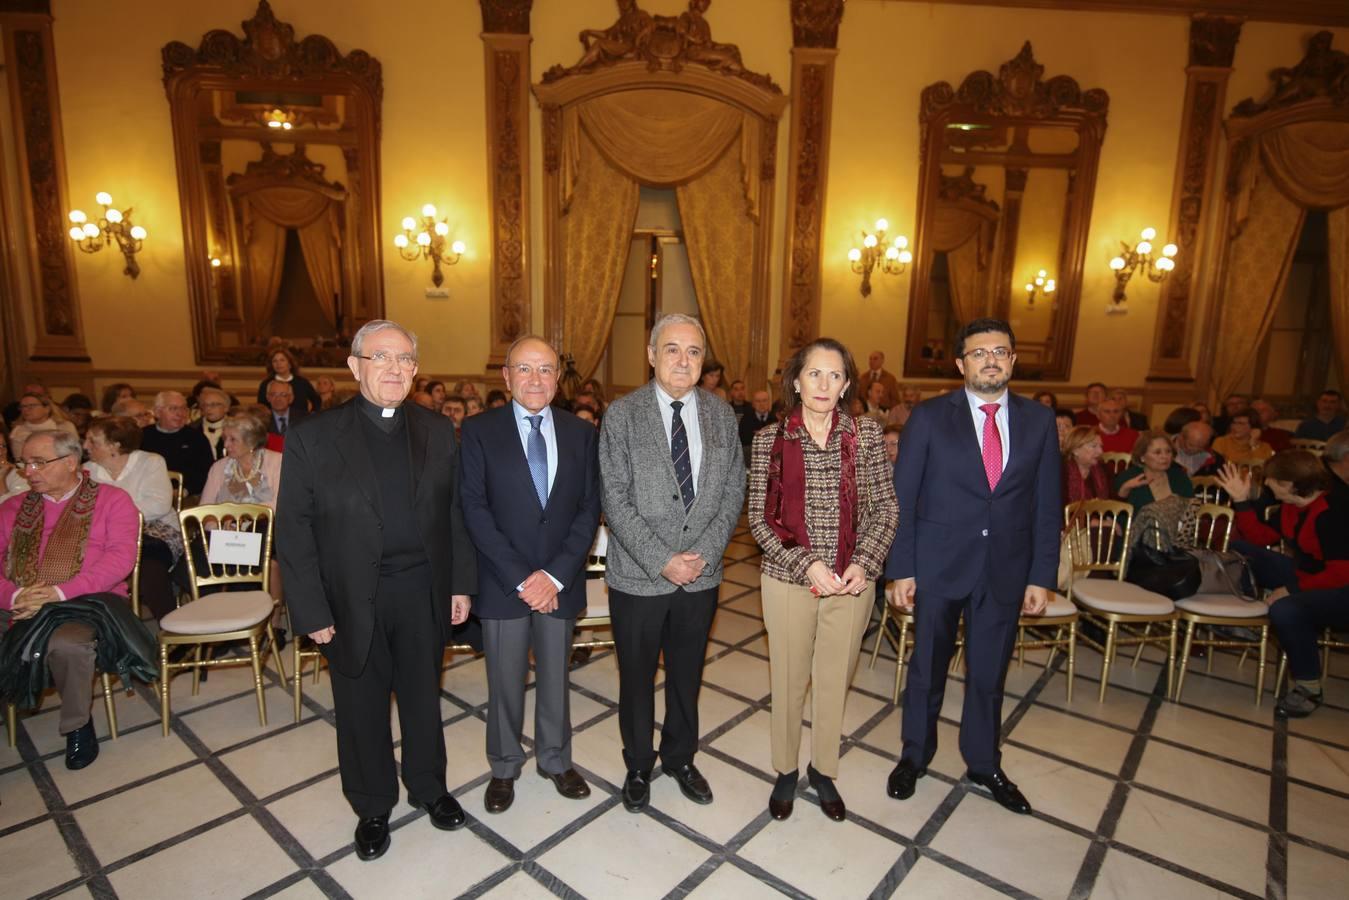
(679, 454)
(537, 457)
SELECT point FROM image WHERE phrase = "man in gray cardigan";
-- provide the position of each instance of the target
(673, 486)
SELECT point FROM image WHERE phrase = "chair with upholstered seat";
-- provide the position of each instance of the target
(214, 613)
(1213, 528)
(903, 620)
(597, 592)
(1207, 490)
(176, 482)
(1055, 629)
(1100, 542)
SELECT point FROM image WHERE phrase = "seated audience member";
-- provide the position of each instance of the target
(68, 538)
(1205, 414)
(326, 389)
(1268, 414)
(1095, 393)
(1328, 420)
(738, 397)
(79, 409)
(1234, 403)
(472, 406)
(134, 409)
(585, 414)
(1336, 460)
(1194, 451)
(1153, 475)
(456, 409)
(115, 458)
(593, 386)
(713, 374)
(184, 449)
(12, 411)
(423, 399)
(248, 472)
(1135, 420)
(11, 475)
(214, 405)
(495, 398)
(1084, 478)
(113, 393)
(1064, 422)
(760, 415)
(876, 372)
(1240, 445)
(586, 400)
(1180, 417)
(421, 383)
(909, 397)
(1309, 591)
(285, 410)
(283, 367)
(1115, 438)
(463, 390)
(1046, 398)
(890, 437)
(876, 407)
(38, 413)
(438, 393)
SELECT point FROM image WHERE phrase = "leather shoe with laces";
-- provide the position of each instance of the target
(636, 790)
(903, 780)
(691, 782)
(569, 784)
(1003, 790)
(81, 746)
(499, 796)
(372, 837)
(445, 813)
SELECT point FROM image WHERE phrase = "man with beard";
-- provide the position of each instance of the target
(979, 517)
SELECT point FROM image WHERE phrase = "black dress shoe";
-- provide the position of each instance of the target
(569, 784)
(903, 780)
(637, 790)
(782, 799)
(445, 813)
(831, 804)
(372, 837)
(580, 656)
(691, 782)
(499, 796)
(81, 746)
(1003, 791)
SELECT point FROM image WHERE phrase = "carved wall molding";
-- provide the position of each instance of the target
(40, 148)
(505, 16)
(507, 63)
(815, 23)
(1213, 41)
(1311, 12)
(1322, 73)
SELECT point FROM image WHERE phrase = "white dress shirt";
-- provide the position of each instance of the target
(549, 435)
(689, 416)
(146, 478)
(1000, 418)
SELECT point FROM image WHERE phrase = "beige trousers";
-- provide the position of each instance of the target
(812, 643)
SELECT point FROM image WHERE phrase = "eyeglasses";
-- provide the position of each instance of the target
(381, 358)
(979, 354)
(27, 464)
(525, 370)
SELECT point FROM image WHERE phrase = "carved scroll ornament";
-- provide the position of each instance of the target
(1323, 72)
(505, 16)
(1019, 90)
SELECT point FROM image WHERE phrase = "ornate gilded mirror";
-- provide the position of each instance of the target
(1007, 172)
(277, 148)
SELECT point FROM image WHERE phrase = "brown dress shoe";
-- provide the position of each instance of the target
(499, 796)
(569, 784)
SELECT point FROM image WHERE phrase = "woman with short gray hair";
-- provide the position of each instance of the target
(248, 472)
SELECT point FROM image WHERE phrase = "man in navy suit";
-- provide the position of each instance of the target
(978, 487)
(531, 494)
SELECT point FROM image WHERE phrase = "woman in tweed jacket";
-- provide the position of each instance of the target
(822, 506)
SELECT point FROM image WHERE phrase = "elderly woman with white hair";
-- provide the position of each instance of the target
(248, 472)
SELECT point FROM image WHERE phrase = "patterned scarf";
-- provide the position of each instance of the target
(249, 488)
(27, 563)
(785, 501)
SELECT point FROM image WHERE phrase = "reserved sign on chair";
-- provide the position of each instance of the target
(238, 548)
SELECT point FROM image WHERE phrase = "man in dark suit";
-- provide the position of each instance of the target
(760, 414)
(184, 449)
(285, 411)
(377, 566)
(532, 503)
(979, 517)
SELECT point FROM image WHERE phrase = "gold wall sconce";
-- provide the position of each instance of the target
(879, 252)
(114, 225)
(1139, 258)
(425, 239)
(1040, 285)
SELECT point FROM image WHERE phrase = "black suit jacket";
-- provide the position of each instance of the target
(297, 412)
(956, 535)
(329, 531)
(513, 535)
(186, 451)
(750, 425)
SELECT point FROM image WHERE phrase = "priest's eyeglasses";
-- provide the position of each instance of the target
(381, 358)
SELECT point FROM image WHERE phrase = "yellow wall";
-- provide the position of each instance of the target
(118, 138)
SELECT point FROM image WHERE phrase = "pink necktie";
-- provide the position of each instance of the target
(992, 445)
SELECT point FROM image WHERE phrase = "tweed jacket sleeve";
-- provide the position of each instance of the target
(879, 512)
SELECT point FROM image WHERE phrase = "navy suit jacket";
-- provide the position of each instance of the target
(513, 535)
(955, 536)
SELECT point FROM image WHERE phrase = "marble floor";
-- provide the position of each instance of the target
(1136, 797)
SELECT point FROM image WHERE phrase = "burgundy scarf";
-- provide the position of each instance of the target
(785, 501)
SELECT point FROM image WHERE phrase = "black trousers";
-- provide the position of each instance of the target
(406, 652)
(990, 634)
(675, 624)
(1298, 621)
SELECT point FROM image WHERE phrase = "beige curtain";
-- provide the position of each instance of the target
(595, 234)
(267, 214)
(265, 250)
(1259, 259)
(1309, 161)
(714, 220)
(1339, 288)
(321, 245)
(966, 237)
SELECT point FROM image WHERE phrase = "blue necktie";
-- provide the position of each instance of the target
(679, 454)
(538, 460)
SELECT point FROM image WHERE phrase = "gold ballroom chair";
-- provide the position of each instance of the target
(1213, 530)
(900, 644)
(213, 617)
(1118, 606)
(1329, 641)
(1055, 629)
(1207, 490)
(597, 593)
(1115, 463)
(109, 704)
(176, 482)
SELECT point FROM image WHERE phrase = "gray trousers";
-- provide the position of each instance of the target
(506, 643)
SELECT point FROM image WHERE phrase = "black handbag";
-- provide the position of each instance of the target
(1171, 573)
